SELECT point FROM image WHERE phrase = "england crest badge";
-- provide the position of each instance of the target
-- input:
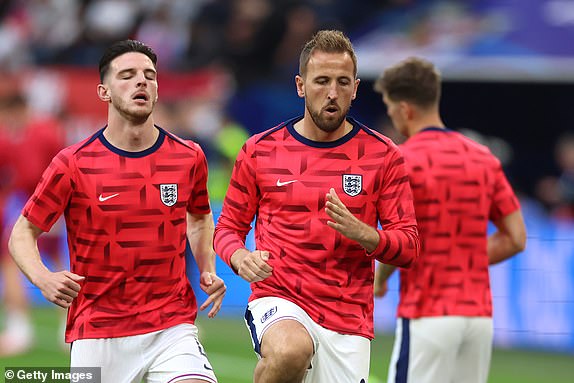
(352, 184)
(168, 194)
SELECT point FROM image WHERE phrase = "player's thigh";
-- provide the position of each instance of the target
(275, 322)
(121, 359)
(339, 358)
(425, 349)
(473, 360)
(176, 355)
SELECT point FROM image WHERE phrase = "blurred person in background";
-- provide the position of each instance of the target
(444, 327)
(29, 141)
(132, 195)
(318, 185)
(556, 192)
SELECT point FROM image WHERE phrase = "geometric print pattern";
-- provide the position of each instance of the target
(458, 186)
(280, 180)
(122, 236)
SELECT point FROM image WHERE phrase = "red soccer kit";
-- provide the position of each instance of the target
(458, 186)
(283, 178)
(126, 222)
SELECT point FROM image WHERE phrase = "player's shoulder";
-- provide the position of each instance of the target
(71, 151)
(69, 155)
(272, 132)
(374, 135)
(262, 139)
(184, 144)
(472, 145)
(83, 146)
(375, 140)
(444, 140)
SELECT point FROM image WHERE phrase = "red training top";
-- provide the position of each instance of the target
(458, 186)
(126, 221)
(283, 178)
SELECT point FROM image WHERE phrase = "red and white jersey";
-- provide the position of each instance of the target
(458, 186)
(283, 178)
(126, 222)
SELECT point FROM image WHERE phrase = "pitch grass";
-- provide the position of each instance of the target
(229, 348)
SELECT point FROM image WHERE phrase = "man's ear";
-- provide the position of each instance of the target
(407, 110)
(357, 81)
(103, 93)
(300, 86)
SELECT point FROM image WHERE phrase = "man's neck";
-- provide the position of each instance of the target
(130, 137)
(419, 124)
(307, 128)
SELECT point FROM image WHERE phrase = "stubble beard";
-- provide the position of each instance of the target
(328, 125)
(136, 116)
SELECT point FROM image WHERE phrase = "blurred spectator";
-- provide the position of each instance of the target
(54, 25)
(556, 193)
(252, 34)
(14, 53)
(28, 143)
(164, 27)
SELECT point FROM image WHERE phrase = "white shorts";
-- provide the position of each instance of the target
(441, 349)
(165, 356)
(338, 357)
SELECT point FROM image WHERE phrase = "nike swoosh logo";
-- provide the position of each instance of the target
(104, 199)
(279, 183)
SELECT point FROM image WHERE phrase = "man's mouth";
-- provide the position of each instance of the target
(141, 96)
(331, 109)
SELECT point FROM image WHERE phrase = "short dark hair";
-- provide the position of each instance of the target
(330, 41)
(414, 80)
(121, 47)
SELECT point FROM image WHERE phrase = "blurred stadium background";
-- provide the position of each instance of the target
(226, 70)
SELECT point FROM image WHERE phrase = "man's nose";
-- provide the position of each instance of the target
(333, 94)
(141, 80)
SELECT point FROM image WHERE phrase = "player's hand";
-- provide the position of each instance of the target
(213, 286)
(381, 286)
(252, 265)
(61, 287)
(343, 220)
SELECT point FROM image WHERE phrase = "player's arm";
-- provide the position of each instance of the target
(200, 235)
(382, 274)
(510, 235)
(234, 223)
(397, 243)
(57, 287)
(509, 238)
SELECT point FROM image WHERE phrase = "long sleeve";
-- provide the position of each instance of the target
(399, 243)
(239, 207)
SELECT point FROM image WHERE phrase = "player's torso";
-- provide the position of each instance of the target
(140, 198)
(294, 179)
(126, 221)
(324, 272)
(452, 183)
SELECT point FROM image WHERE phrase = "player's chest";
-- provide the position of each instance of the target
(144, 185)
(301, 179)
